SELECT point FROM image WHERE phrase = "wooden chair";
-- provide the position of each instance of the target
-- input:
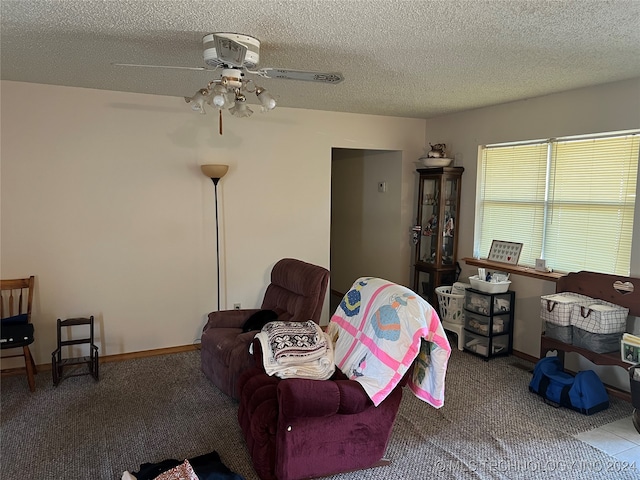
(16, 298)
(91, 361)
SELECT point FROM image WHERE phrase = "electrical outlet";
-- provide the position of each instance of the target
(236, 306)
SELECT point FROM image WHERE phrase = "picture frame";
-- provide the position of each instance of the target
(505, 252)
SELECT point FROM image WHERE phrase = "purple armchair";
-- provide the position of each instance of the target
(296, 293)
(299, 428)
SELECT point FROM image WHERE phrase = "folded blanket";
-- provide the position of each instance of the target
(292, 351)
(295, 342)
(381, 330)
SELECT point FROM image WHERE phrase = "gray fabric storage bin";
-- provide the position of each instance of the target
(559, 332)
(597, 342)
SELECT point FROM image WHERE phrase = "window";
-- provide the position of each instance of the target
(569, 200)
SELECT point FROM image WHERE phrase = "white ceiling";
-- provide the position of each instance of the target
(407, 58)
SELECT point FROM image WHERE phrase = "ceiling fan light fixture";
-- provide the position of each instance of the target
(198, 100)
(266, 99)
(240, 108)
(219, 97)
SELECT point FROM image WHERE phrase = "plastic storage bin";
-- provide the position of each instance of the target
(480, 345)
(480, 324)
(488, 325)
(489, 287)
(478, 303)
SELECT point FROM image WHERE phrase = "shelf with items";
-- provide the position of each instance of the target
(514, 269)
(435, 237)
(488, 326)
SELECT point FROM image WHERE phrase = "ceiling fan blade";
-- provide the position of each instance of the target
(160, 66)
(307, 76)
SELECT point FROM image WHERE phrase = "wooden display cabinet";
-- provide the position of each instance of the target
(435, 232)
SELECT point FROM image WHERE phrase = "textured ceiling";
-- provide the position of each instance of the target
(401, 58)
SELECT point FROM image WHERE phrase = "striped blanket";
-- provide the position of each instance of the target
(380, 330)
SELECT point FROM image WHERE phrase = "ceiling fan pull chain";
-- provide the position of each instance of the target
(220, 121)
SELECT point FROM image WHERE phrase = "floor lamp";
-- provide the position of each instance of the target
(215, 173)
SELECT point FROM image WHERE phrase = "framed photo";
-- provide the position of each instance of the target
(505, 252)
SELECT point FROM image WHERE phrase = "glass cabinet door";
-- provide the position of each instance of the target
(438, 212)
(428, 248)
(451, 186)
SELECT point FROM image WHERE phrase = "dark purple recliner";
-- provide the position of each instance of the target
(296, 293)
(298, 428)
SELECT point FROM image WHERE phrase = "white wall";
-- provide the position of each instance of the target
(366, 230)
(103, 201)
(604, 108)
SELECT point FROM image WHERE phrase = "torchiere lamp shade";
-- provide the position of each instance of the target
(214, 171)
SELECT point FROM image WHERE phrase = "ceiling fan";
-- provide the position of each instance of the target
(236, 55)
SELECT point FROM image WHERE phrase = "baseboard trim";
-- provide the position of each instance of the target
(525, 356)
(118, 357)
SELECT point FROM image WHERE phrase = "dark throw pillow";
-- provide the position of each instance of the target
(16, 335)
(259, 320)
(21, 319)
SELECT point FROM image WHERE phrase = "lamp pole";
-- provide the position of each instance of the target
(215, 190)
(215, 173)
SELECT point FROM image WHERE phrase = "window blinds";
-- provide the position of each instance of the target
(590, 223)
(570, 201)
(513, 198)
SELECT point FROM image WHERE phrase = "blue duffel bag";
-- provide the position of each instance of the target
(583, 392)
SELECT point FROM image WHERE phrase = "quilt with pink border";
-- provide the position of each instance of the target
(380, 330)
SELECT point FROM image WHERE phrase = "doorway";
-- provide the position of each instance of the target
(366, 228)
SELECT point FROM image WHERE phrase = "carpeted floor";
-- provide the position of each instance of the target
(151, 409)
